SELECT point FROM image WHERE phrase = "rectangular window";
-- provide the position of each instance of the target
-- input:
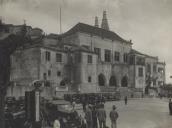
(45, 76)
(47, 56)
(132, 59)
(117, 56)
(58, 73)
(89, 79)
(89, 59)
(98, 52)
(58, 57)
(148, 68)
(107, 55)
(140, 61)
(78, 58)
(49, 72)
(125, 57)
(154, 68)
(140, 72)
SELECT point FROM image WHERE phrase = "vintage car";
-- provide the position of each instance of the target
(14, 119)
(63, 110)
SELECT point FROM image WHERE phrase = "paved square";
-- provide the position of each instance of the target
(141, 113)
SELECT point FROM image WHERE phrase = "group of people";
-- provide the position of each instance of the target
(96, 115)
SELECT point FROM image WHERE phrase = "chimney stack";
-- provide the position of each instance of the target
(104, 24)
(96, 22)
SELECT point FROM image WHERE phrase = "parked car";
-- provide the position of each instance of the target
(63, 110)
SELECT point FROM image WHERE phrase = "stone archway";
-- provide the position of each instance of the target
(112, 81)
(124, 81)
(101, 80)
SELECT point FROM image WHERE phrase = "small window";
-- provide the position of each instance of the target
(140, 72)
(154, 68)
(49, 72)
(47, 56)
(148, 68)
(89, 59)
(58, 73)
(58, 57)
(117, 56)
(78, 58)
(107, 55)
(125, 57)
(132, 59)
(98, 52)
(45, 76)
(89, 79)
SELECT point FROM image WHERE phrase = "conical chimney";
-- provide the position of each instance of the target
(104, 24)
(96, 22)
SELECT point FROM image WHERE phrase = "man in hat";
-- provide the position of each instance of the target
(101, 115)
(88, 116)
(113, 117)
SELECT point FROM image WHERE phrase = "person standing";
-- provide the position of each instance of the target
(83, 100)
(94, 116)
(56, 123)
(113, 117)
(88, 116)
(73, 104)
(126, 100)
(101, 115)
(170, 106)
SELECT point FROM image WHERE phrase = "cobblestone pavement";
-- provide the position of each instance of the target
(141, 113)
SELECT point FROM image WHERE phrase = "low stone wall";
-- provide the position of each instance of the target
(18, 91)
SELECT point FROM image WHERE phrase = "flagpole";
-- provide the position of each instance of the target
(60, 21)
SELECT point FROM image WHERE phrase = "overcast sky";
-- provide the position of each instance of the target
(147, 22)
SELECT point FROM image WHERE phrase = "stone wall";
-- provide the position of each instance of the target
(25, 66)
(19, 91)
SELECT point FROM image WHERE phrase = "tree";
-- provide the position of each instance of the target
(7, 46)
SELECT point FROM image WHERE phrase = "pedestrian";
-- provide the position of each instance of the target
(113, 117)
(94, 116)
(88, 116)
(101, 115)
(82, 122)
(170, 106)
(126, 100)
(83, 102)
(73, 104)
(56, 123)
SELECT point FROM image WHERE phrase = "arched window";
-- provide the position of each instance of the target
(124, 81)
(112, 81)
(101, 80)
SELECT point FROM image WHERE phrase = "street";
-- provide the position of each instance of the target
(141, 113)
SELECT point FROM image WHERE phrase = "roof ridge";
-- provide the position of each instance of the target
(95, 31)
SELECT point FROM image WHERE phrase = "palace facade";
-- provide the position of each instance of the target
(85, 59)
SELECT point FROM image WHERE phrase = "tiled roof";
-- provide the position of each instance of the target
(133, 51)
(92, 30)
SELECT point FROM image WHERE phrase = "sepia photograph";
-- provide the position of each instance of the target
(85, 64)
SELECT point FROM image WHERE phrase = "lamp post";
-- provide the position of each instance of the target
(37, 89)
